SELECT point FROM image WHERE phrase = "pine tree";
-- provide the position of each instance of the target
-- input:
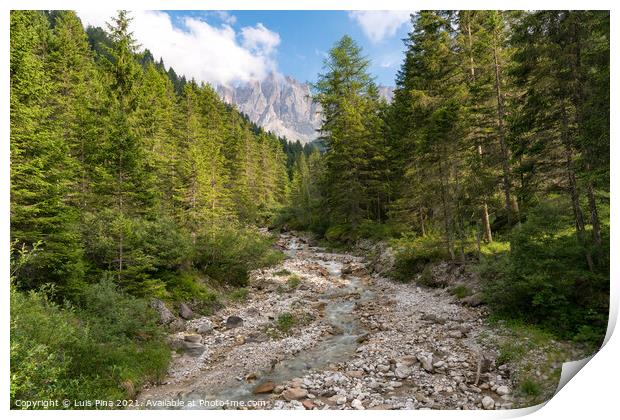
(42, 168)
(351, 129)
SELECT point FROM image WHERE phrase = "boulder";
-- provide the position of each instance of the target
(185, 312)
(488, 403)
(165, 315)
(204, 327)
(234, 322)
(192, 338)
(294, 394)
(193, 349)
(308, 404)
(264, 388)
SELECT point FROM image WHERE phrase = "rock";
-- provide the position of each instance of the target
(308, 404)
(234, 322)
(165, 315)
(362, 338)
(439, 364)
(256, 338)
(355, 373)
(455, 334)
(294, 394)
(402, 372)
(486, 363)
(488, 403)
(192, 338)
(396, 384)
(185, 312)
(264, 388)
(341, 399)
(357, 404)
(408, 361)
(433, 318)
(193, 349)
(502, 390)
(383, 368)
(204, 327)
(474, 300)
(177, 325)
(239, 340)
(426, 361)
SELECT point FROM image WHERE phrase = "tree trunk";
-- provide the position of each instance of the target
(501, 134)
(446, 211)
(574, 190)
(488, 236)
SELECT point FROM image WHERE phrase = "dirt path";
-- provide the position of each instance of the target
(319, 331)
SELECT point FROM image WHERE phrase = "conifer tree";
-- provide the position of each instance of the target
(42, 168)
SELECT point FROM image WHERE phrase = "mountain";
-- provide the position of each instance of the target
(281, 104)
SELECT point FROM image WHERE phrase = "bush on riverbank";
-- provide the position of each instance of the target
(105, 349)
(546, 280)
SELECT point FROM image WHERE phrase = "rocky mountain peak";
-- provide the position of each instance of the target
(280, 104)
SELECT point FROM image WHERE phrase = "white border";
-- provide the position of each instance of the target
(593, 392)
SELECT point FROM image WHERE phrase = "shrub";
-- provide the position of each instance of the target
(105, 349)
(412, 254)
(545, 279)
(228, 254)
(461, 291)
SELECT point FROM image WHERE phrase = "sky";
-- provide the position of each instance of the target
(231, 47)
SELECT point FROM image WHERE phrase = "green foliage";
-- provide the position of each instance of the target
(546, 279)
(293, 282)
(509, 352)
(530, 388)
(239, 294)
(285, 322)
(88, 353)
(414, 253)
(229, 254)
(461, 291)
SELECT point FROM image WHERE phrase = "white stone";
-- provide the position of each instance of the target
(357, 404)
(488, 403)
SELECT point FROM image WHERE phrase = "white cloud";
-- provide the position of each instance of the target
(200, 50)
(259, 39)
(226, 17)
(380, 24)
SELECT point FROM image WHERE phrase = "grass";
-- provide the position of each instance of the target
(238, 295)
(285, 322)
(534, 357)
(293, 282)
(461, 291)
(530, 388)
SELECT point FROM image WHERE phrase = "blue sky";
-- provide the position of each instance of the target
(233, 46)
